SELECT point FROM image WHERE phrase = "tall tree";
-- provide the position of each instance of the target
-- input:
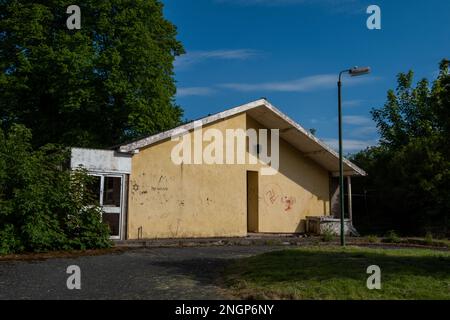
(409, 172)
(110, 81)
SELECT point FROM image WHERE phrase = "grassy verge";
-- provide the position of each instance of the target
(422, 242)
(335, 273)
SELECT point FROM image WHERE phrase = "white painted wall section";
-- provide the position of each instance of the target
(108, 161)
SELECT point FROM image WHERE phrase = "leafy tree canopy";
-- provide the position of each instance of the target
(95, 87)
(409, 172)
(413, 112)
(44, 207)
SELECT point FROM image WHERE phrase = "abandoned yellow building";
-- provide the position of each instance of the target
(159, 186)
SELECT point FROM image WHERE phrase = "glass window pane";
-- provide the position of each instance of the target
(111, 193)
(113, 221)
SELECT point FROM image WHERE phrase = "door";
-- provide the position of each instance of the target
(252, 201)
(112, 204)
(110, 189)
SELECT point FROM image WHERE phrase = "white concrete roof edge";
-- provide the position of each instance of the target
(189, 126)
(314, 138)
(228, 113)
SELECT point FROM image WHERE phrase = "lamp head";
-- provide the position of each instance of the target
(359, 71)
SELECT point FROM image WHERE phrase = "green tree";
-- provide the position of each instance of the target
(95, 87)
(441, 105)
(44, 206)
(409, 172)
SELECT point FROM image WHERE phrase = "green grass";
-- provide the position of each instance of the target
(336, 273)
(427, 241)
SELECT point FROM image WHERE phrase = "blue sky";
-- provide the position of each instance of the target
(290, 51)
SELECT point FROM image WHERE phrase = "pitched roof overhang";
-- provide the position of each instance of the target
(271, 118)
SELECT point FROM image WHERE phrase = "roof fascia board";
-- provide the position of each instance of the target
(314, 138)
(131, 147)
(190, 126)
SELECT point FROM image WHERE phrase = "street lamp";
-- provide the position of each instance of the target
(354, 72)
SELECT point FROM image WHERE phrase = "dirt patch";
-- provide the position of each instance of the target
(286, 241)
(60, 254)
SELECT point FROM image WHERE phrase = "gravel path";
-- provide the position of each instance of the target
(160, 273)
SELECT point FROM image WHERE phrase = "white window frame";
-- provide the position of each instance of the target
(121, 210)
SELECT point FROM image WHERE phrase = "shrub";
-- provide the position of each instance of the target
(9, 240)
(392, 237)
(327, 235)
(372, 239)
(429, 238)
(44, 206)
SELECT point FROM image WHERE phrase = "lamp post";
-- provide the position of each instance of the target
(354, 72)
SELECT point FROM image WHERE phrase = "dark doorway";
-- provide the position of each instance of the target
(252, 201)
(334, 198)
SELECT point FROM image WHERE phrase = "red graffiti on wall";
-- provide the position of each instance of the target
(272, 192)
(272, 196)
(288, 202)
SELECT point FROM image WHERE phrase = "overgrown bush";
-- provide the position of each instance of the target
(372, 239)
(429, 238)
(43, 205)
(328, 235)
(392, 237)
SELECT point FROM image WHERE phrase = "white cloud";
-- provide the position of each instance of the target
(194, 91)
(263, 2)
(298, 85)
(337, 6)
(195, 57)
(306, 84)
(356, 120)
(364, 131)
(352, 103)
(283, 2)
(350, 145)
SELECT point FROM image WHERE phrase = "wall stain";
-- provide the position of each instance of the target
(273, 195)
(174, 233)
(161, 186)
(288, 202)
(164, 189)
(272, 192)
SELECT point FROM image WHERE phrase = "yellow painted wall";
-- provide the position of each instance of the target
(171, 201)
(298, 190)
